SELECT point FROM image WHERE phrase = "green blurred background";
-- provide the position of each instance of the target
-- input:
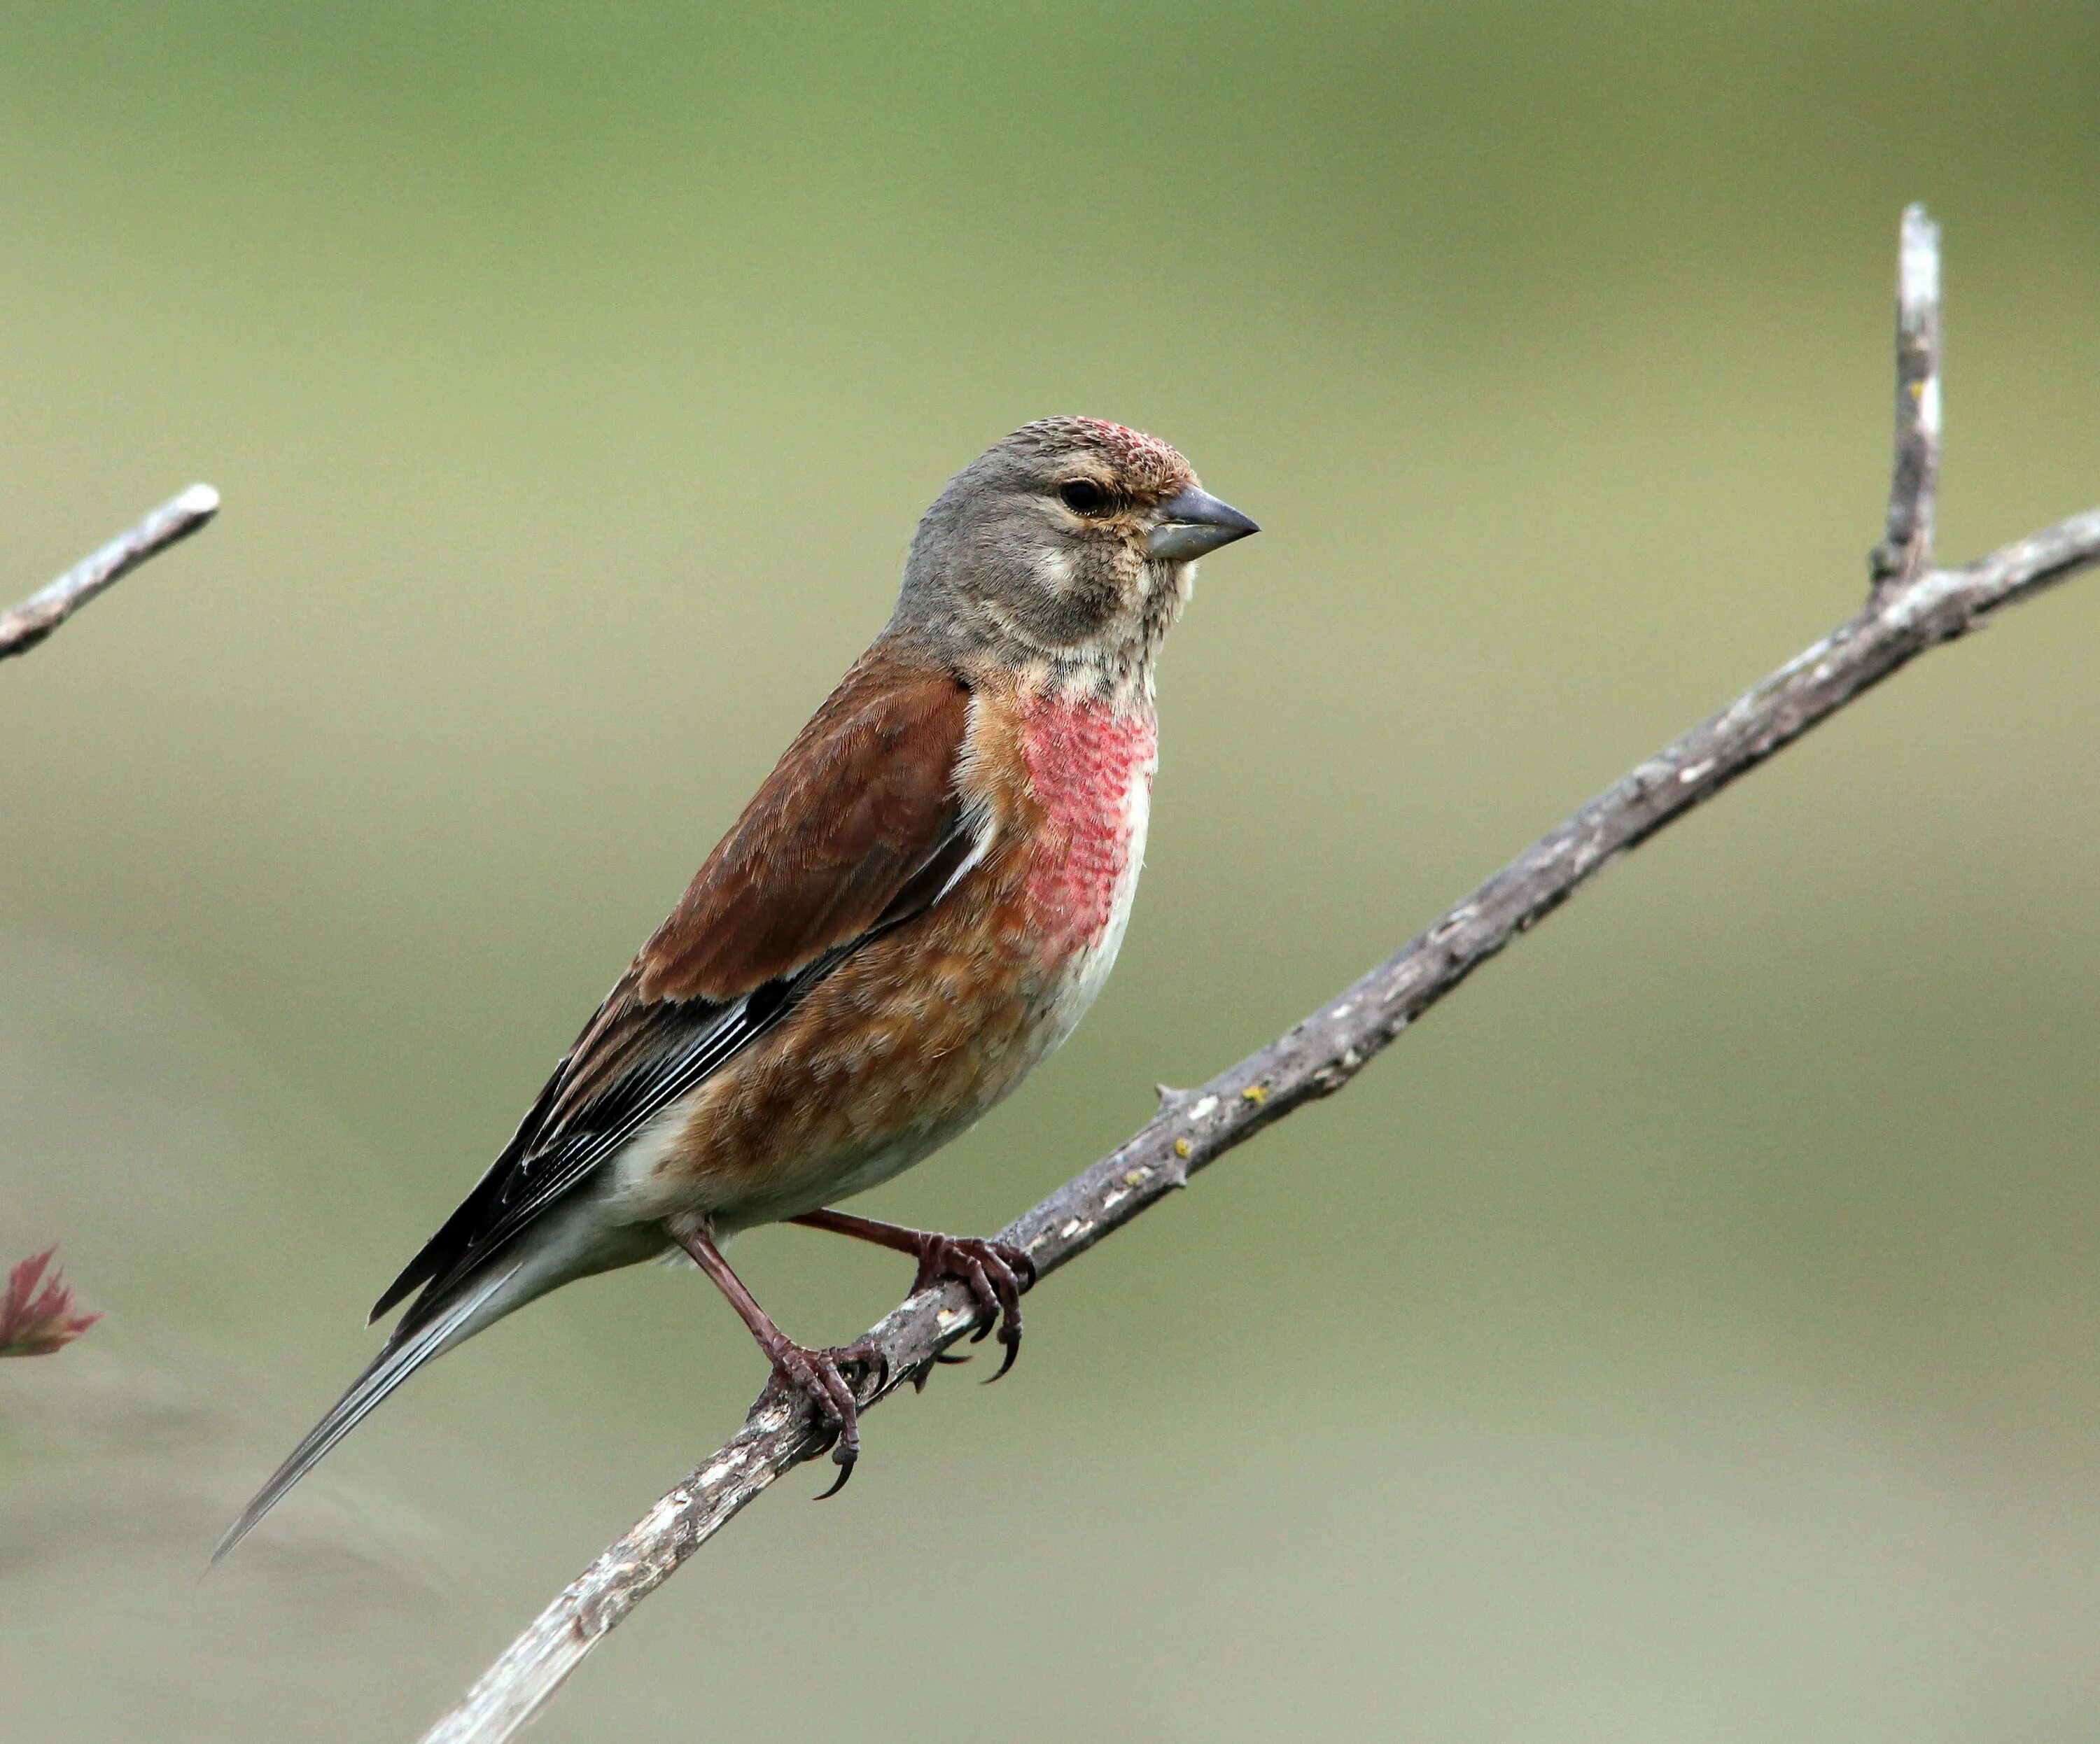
(1692, 1333)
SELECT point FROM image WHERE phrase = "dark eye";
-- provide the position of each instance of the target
(1083, 496)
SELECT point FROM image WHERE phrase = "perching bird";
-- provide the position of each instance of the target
(922, 901)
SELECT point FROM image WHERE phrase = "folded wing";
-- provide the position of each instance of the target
(859, 829)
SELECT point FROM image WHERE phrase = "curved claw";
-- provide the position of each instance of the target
(846, 1471)
(1010, 1282)
(971, 1268)
(997, 1273)
(1013, 1350)
(820, 1377)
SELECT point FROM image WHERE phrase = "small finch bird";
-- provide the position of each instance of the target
(918, 906)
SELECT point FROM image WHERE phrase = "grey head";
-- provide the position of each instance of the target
(1070, 547)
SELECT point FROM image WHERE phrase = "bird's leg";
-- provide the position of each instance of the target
(995, 1271)
(818, 1375)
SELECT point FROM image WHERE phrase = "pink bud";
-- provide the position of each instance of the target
(36, 1322)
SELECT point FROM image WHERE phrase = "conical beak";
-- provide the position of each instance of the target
(1193, 522)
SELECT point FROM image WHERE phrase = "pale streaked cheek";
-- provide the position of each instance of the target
(1053, 569)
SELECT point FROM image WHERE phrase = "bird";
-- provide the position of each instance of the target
(915, 910)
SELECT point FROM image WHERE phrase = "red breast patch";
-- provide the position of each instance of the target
(1085, 762)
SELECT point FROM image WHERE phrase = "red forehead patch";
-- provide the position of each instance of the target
(1130, 447)
(1146, 463)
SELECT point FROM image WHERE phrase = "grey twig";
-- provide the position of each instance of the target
(29, 623)
(1905, 552)
(1907, 614)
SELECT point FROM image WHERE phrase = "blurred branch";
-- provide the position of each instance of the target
(33, 1321)
(1914, 607)
(35, 618)
(1905, 552)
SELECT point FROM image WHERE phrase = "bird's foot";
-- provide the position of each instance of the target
(996, 1273)
(830, 1381)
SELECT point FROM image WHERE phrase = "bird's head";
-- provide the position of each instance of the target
(1068, 546)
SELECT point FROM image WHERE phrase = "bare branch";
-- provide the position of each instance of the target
(35, 618)
(1905, 552)
(1913, 609)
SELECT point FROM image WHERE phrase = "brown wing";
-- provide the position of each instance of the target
(843, 825)
(859, 828)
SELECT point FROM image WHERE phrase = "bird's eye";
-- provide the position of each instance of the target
(1083, 496)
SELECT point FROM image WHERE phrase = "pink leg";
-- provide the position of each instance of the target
(818, 1375)
(996, 1271)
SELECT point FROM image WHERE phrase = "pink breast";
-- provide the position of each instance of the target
(1091, 770)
